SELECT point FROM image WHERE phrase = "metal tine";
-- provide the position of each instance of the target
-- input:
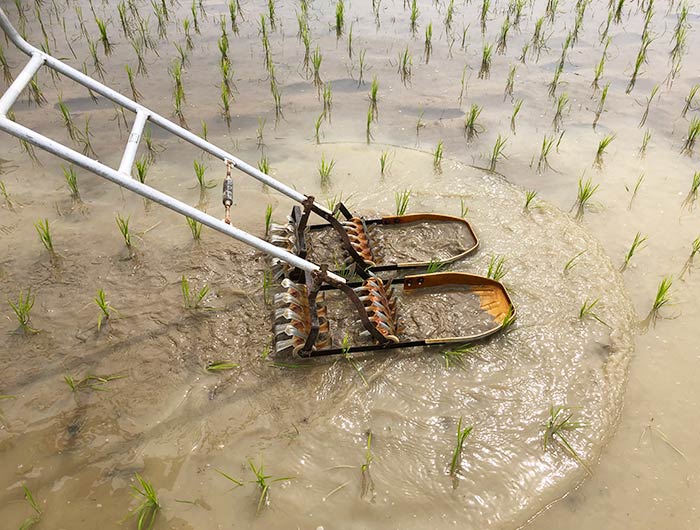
(282, 345)
(292, 331)
(288, 314)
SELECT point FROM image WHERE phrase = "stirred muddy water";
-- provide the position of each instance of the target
(632, 386)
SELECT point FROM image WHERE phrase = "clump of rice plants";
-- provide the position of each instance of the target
(405, 66)
(324, 170)
(692, 197)
(104, 39)
(142, 164)
(496, 269)
(437, 156)
(691, 138)
(428, 46)
(600, 66)
(586, 189)
(510, 82)
(559, 423)
(486, 55)
(148, 510)
(5, 66)
(317, 128)
(401, 200)
(462, 434)
(67, 119)
(641, 59)
(44, 231)
(384, 162)
(689, 100)
(661, 300)
(503, 37)
(264, 482)
(327, 100)
(195, 228)
(562, 103)
(105, 308)
(471, 127)
(530, 196)
(637, 244)
(547, 144)
(602, 146)
(72, 181)
(370, 119)
(484, 14)
(694, 251)
(316, 60)
(123, 225)
(415, 13)
(199, 170)
(192, 298)
(22, 309)
(340, 18)
(497, 152)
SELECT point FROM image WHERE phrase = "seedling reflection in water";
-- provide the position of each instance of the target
(559, 423)
(462, 434)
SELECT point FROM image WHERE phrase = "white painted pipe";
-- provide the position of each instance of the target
(132, 143)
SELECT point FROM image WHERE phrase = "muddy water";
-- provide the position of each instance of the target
(176, 425)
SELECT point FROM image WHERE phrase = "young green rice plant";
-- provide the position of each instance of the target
(142, 165)
(435, 265)
(554, 83)
(602, 146)
(661, 300)
(324, 170)
(195, 228)
(263, 481)
(268, 219)
(586, 189)
(514, 115)
(559, 423)
(67, 118)
(692, 197)
(384, 163)
(420, 123)
(645, 115)
(462, 434)
(5, 66)
(471, 127)
(600, 66)
(510, 82)
(637, 244)
(233, 12)
(523, 52)
(6, 196)
(634, 190)
(463, 208)
(350, 43)
(22, 309)
(123, 225)
(374, 98)
(530, 196)
(226, 103)
(538, 38)
(35, 93)
(90, 382)
(645, 143)
(264, 164)
(327, 100)
(135, 94)
(428, 46)
(85, 138)
(317, 128)
(316, 60)
(456, 355)
(689, 100)
(199, 170)
(192, 298)
(618, 11)
(339, 18)
(572, 262)
(72, 181)
(34, 519)
(691, 138)
(271, 14)
(497, 152)
(641, 59)
(545, 149)
(405, 66)
(502, 42)
(44, 231)
(401, 200)
(484, 14)
(370, 119)
(367, 482)
(259, 133)
(562, 103)
(449, 15)
(148, 510)
(361, 63)
(694, 251)
(220, 366)
(486, 54)
(463, 85)
(104, 39)
(415, 13)
(105, 308)
(437, 157)
(496, 269)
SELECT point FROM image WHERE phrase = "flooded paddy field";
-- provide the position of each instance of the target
(563, 131)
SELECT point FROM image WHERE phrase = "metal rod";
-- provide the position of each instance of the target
(154, 117)
(132, 143)
(148, 192)
(15, 89)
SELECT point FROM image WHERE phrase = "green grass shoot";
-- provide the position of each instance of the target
(463, 208)
(123, 225)
(147, 511)
(105, 308)
(471, 127)
(192, 298)
(572, 262)
(692, 196)
(462, 434)
(384, 163)
(496, 269)
(586, 189)
(545, 149)
(72, 181)
(456, 355)
(602, 146)
(559, 424)
(587, 310)
(514, 115)
(530, 196)
(34, 519)
(220, 366)
(268, 219)
(435, 265)
(437, 156)
(199, 170)
(367, 482)
(22, 309)
(497, 152)
(662, 298)
(636, 245)
(634, 190)
(263, 481)
(324, 170)
(44, 231)
(401, 200)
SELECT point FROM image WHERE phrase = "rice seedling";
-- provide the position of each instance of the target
(374, 98)
(514, 115)
(35, 93)
(271, 14)
(602, 146)
(22, 309)
(226, 103)
(90, 382)
(384, 162)
(600, 66)
(428, 45)
(105, 307)
(496, 269)
(562, 102)
(538, 38)
(85, 137)
(462, 434)
(449, 15)
(72, 181)
(471, 127)
(645, 115)
(637, 243)
(554, 83)
(263, 481)
(339, 18)
(456, 355)
(618, 11)
(34, 519)
(220, 366)
(161, 17)
(415, 13)
(317, 128)
(142, 164)
(367, 482)
(233, 12)
(135, 94)
(195, 228)
(485, 68)
(405, 66)
(401, 200)
(585, 192)
(510, 82)
(195, 19)
(691, 138)
(523, 52)
(463, 85)
(484, 14)
(463, 208)
(420, 123)
(692, 197)
(572, 262)
(192, 298)
(497, 152)
(502, 42)
(327, 100)
(435, 265)
(370, 119)
(689, 100)
(264, 164)
(141, 66)
(661, 300)
(350, 43)
(199, 170)
(6, 196)
(67, 118)
(123, 225)
(361, 63)
(324, 170)
(437, 157)
(634, 190)
(529, 197)
(44, 231)
(694, 251)
(559, 423)
(543, 162)
(147, 511)
(316, 60)
(645, 143)
(641, 59)
(104, 39)
(5, 66)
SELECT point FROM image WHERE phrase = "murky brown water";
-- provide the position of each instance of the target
(175, 424)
